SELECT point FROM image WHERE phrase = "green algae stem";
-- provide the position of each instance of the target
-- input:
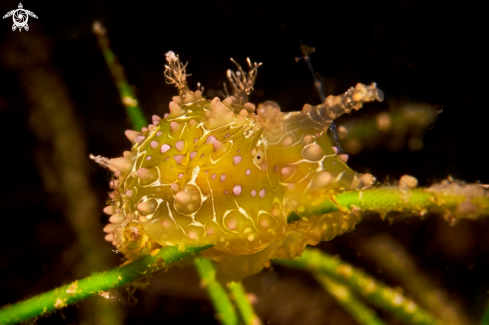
(363, 314)
(93, 285)
(373, 291)
(128, 98)
(419, 201)
(243, 304)
(225, 311)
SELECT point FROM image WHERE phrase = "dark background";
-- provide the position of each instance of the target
(415, 51)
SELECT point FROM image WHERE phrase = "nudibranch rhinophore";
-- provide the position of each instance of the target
(227, 174)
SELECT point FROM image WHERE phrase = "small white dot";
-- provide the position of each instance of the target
(165, 148)
(180, 145)
(237, 190)
(154, 144)
(236, 160)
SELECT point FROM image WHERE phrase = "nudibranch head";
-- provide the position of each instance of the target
(223, 173)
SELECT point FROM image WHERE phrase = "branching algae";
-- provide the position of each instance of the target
(227, 173)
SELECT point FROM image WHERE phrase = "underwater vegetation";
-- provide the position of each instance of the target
(438, 262)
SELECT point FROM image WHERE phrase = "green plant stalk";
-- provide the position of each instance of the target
(226, 313)
(95, 284)
(485, 316)
(245, 308)
(378, 294)
(363, 314)
(128, 98)
(393, 259)
(418, 201)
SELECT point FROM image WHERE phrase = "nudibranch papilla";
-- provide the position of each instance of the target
(227, 174)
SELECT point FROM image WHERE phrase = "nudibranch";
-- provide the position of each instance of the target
(226, 173)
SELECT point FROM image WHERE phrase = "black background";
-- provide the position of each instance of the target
(416, 51)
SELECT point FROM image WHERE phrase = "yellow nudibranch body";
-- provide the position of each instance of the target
(223, 173)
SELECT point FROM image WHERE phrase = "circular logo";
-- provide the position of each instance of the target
(20, 18)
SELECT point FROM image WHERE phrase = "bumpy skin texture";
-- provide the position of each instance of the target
(215, 172)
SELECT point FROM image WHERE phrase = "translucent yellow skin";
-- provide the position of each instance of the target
(216, 173)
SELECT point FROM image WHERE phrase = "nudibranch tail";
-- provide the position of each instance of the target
(218, 173)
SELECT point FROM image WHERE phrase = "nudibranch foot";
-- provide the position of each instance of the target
(223, 173)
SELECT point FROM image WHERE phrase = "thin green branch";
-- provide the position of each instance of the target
(378, 294)
(363, 314)
(457, 201)
(241, 300)
(95, 284)
(391, 256)
(219, 297)
(128, 98)
(485, 316)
